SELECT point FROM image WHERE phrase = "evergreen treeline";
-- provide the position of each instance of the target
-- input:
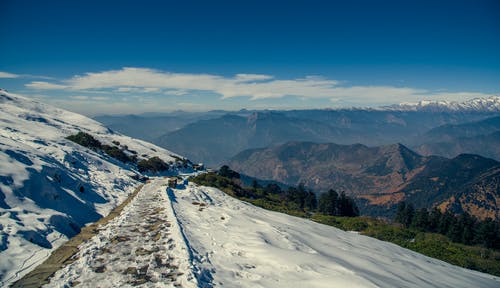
(293, 199)
(461, 228)
(331, 203)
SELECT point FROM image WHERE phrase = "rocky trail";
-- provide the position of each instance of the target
(141, 247)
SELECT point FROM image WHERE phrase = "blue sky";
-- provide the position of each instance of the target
(134, 56)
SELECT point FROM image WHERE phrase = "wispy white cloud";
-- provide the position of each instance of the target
(4, 74)
(42, 85)
(151, 89)
(255, 86)
(86, 97)
(125, 89)
(92, 107)
(8, 75)
(252, 77)
(140, 90)
(176, 92)
(79, 97)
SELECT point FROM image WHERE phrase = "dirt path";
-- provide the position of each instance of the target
(140, 247)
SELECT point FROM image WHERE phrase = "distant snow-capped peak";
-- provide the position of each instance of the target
(490, 104)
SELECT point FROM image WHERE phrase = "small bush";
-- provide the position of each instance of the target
(85, 140)
(153, 164)
(116, 153)
(89, 141)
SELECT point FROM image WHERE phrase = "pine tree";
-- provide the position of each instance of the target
(421, 219)
(446, 223)
(405, 213)
(468, 223)
(310, 201)
(347, 206)
(400, 212)
(255, 185)
(328, 203)
(224, 171)
(455, 230)
(434, 220)
(272, 188)
(489, 234)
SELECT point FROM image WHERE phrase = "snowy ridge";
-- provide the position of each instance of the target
(50, 186)
(491, 104)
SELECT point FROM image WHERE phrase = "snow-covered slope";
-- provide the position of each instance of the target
(197, 236)
(491, 104)
(50, 186)
(235, 244)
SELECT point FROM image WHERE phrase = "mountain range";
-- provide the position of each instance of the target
(479, 137)
(150, 126)
(214, 140)
(381, 177)
(215, 136)
(450, 132)
(491, 104)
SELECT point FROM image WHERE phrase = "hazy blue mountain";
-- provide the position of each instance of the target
(450, 132)
(215, 140)
(484, 145)
(478, 137)
(146, 128)
(150, 126)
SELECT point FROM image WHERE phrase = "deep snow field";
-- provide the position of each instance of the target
(42, 175)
